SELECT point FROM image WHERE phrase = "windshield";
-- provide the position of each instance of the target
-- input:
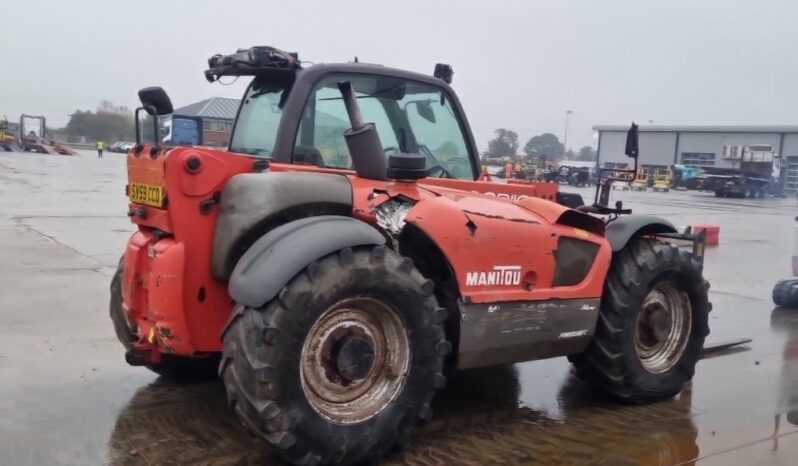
(258, 119)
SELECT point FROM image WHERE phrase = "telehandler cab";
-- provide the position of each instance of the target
(344, 251)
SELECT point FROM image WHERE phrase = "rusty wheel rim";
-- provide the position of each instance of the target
(663, 327)
(354, 360)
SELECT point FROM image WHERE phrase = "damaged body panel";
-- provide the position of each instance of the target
(502, 252)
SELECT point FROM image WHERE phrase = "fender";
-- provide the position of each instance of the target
(252, 203)
(282, 253)
(626, 227)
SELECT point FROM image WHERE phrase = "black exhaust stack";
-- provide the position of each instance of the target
(365, 147)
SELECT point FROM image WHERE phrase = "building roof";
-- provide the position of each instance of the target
(702, 129)
(222, 108)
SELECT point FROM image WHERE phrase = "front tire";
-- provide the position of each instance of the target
(342, 366)
(652, 324)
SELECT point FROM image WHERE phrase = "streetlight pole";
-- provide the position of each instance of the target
(565, 136)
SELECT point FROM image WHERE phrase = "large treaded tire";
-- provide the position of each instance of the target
(262, 355)
(611, 362)
(785, 293)
(183, 369)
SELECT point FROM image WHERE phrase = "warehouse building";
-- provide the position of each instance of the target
(700, 146)
(217, 114)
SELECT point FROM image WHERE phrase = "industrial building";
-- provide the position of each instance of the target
(217, 114)
(701, 146)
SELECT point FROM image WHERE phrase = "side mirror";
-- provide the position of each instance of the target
(155, 102)
(632, 146)
(155, 98)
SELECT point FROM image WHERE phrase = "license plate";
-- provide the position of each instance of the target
(147, 194)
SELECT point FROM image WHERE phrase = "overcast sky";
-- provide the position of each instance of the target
(518, 64)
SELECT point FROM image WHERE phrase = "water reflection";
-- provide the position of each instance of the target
(490, 427)
(785, 321)
(479, 420)
(171, 423)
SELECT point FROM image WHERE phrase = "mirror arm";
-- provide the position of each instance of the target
(138, 126)
(152, 111)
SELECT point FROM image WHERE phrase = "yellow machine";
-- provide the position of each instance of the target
(7, 138)
(662, 180)
(640, 182)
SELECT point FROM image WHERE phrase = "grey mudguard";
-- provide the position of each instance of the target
(620, 231)
(254, 199)
(283, 252)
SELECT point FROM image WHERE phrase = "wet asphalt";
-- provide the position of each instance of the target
(67, 396)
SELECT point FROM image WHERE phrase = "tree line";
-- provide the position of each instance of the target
(505, 144)
(107, 122)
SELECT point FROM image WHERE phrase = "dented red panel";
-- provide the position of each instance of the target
(502, 252)
(500, 245)
(134, 276)
(166, 260)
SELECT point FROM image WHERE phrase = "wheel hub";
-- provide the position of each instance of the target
(663, 327)
(659, 323)
(354, 360)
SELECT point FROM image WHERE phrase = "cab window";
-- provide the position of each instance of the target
(409, 117)
(258, 120)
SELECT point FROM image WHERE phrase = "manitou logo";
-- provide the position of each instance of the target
(500, 275)
(511, 197)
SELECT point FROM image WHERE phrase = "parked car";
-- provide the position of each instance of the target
(126, 146)
(114, 147)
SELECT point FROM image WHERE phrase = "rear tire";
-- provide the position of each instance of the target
(284, 376)
(178, 368)
(785, 293)
(652, 324)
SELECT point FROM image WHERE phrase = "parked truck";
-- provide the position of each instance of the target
(181, 130)
(756, 175)
(685, 177)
